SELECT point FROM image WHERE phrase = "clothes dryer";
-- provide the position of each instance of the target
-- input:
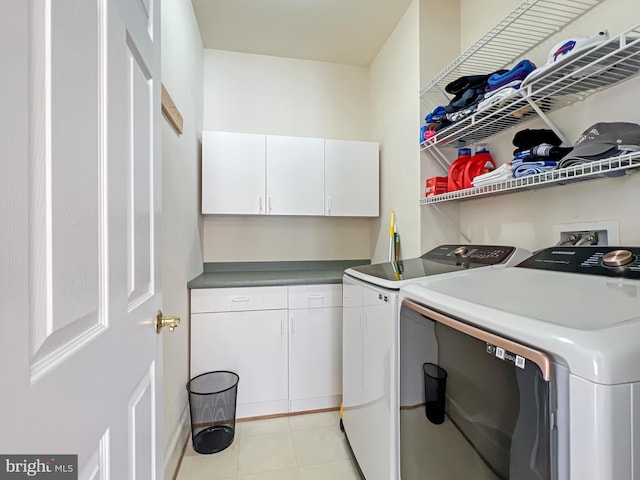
(543, 364)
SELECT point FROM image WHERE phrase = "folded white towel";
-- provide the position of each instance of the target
(500, 174)
(496, 98)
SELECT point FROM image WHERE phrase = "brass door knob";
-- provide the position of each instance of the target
(163, 321)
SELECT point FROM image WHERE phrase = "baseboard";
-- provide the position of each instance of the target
(317, 403)
(175, 450)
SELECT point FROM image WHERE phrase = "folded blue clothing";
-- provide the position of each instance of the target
(528, 158)
(492, 89)
(523, 169)
(519, 72)
(437, 114)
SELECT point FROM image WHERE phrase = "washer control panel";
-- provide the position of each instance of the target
(608, 261)
(478, 254)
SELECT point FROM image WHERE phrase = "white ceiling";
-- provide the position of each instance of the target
(340, 31)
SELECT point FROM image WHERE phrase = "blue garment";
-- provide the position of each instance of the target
(523, 169)
(519, 72)
(438, 113)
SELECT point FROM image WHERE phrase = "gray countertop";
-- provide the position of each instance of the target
(264, 274)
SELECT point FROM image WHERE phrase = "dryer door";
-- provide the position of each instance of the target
(497, 401)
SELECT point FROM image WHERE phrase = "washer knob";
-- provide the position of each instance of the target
(617, 258)
(460, 250)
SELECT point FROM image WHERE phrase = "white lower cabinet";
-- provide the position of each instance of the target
(252, 344)
(285, 343)
(315, 347)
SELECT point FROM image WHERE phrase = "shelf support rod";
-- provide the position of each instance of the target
(440, 158)
(450, 222)
(548, 121)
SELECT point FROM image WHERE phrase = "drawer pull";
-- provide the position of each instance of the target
(240, 299)
(315, 297)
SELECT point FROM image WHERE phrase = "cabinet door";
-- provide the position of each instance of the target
(351, 178)
(295, 175)
(252, 344)
(233, 173)
(315, 358)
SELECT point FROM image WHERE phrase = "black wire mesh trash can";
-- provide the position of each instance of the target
(212, 401)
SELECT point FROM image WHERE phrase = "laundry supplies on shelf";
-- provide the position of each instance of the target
(466, 167)
(576, 68)
(605, 149)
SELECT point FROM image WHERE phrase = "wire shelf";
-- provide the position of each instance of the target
(609, 167)
(583, 74)
(532, 22)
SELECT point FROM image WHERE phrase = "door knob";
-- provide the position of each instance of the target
(164, 321)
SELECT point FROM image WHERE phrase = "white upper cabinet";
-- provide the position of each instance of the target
(251, 174)
(233, 173)
(295, 175)
(351, 178)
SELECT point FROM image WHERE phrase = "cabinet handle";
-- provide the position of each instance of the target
(315, 297)
(293, 324)
(240, 299)
(269, 203)
(329, 205)
(260, 211)
(281, 325)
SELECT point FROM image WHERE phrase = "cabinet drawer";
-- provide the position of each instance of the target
(238, 299)
(315, 296)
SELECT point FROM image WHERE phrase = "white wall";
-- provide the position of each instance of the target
(440, 33)
(181, 246)
(477, 18)
(526, 219)
(395, 79)
(439, 36)
(282, 96)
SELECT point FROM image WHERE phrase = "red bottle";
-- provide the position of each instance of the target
(480, 163)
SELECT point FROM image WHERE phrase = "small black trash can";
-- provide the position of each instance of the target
(212, 401)
(435, 384)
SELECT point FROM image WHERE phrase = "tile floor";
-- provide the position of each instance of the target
(301, 447)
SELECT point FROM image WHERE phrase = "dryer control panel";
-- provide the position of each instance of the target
(608, 261)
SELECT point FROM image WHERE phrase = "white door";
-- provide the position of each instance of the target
(233, 173)
(252, 344)
(315, 358)
(351, 171)
(295, 175)
(79, 355)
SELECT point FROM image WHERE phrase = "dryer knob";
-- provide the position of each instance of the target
(617, 258)
(460, 250)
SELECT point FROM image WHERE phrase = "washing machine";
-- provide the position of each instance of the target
(371, 345)
(542, 369)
